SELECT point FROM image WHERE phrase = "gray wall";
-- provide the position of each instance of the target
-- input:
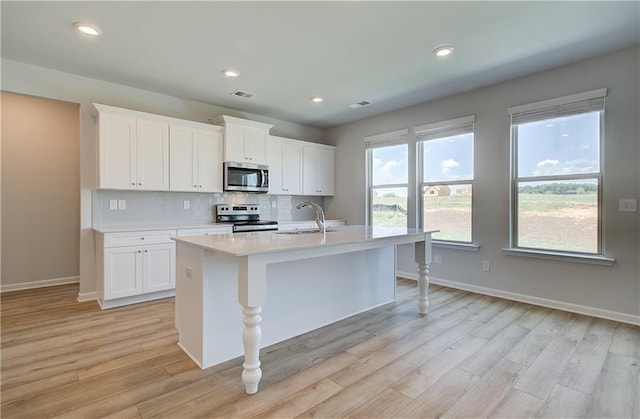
(37, 81)
(616, 288)
(40, 183)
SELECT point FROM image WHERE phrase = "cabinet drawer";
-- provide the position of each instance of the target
(131, 238)
(205, 230)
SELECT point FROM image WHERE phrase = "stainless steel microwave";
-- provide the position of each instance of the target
(246, 177)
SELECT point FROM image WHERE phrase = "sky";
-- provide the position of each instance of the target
(560, 146)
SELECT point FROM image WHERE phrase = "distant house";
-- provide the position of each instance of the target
(436, 191)
(463, 191)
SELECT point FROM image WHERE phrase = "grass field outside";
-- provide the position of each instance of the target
(545, 221)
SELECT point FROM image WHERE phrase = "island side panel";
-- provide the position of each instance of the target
(208, 315)
(306, 294)
(189, 301)
(222, 312)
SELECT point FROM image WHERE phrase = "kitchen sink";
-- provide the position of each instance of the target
(311, 231)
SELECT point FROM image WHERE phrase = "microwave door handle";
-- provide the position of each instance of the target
(264, 177)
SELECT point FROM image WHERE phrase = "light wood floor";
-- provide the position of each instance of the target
(472, 356)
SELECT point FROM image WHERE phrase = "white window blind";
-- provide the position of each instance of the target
(444, 129)
(387, 139)
(591, 101)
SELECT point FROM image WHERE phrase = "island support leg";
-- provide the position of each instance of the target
(251, 337)
(423, 258)
(252, 275)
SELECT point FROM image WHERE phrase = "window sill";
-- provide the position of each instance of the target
(457, 246)
(560, 256)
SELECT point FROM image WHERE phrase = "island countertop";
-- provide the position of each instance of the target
(255, 243)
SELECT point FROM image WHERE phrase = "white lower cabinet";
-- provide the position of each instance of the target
(133, 270)
(135, 266)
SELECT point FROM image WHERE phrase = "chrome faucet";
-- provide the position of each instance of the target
(320, 221)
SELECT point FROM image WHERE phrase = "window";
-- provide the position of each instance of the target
(556, 174)
(387, 179)
(445, 150)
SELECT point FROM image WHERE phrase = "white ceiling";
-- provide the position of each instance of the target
(287, 52)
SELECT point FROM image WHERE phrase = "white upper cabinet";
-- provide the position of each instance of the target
(284, 157)
(244, 141)
(152, 155)
(196, 159)
(133, 152)
(318, 169)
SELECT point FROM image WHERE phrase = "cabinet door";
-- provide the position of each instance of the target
(325, 172)
(234, 143)
(255, 145)
(152, 155)
(117, 151)
(291, 168)
(209, 160)
(182, 155)
(276, 166)
(122, 271)
(318, 171)
(159, 269)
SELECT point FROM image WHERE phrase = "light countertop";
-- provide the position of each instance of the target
(246, 244)
(146, 227)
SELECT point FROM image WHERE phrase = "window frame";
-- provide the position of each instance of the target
(547, 107)
(444, 129)
(373, 142)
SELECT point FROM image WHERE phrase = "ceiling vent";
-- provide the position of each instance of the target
(241, 93)
(360, 104)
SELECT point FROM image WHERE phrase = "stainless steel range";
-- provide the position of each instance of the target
(244, 217)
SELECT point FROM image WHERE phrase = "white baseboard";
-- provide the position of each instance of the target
(135, 299)
(87, 296)
(544, 302)
(39, 284)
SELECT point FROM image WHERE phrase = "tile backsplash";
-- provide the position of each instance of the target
(143, 208)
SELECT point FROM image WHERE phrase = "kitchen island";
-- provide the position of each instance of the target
(298, 281)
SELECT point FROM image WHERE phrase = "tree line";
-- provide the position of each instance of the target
(560, 188)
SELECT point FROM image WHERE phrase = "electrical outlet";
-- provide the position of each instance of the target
(186, 204)
(628, 205)
(122, 204)
(437, 259)
(113, 204)
(486, 266)
(189, 271)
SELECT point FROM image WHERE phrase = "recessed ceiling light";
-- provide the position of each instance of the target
(230, 73)
(317, 99)
(443, 51)
(87, 28)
